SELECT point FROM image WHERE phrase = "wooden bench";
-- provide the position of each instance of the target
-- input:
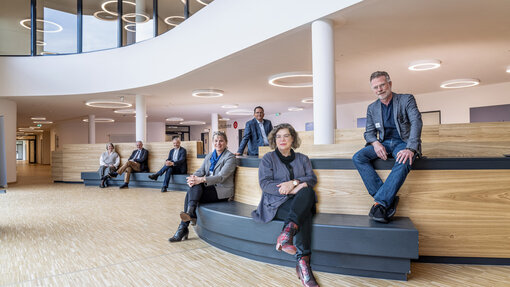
(344, 244)
(138, 179)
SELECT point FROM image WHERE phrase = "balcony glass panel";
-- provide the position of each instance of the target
(15, 39)
(99, 25)
(56, 27)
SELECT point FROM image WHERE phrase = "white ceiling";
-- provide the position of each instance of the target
(470, 37)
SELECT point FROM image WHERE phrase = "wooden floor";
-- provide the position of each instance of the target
(71, 235)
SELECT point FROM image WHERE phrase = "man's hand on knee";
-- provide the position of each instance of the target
(380, 150)
(404, 155)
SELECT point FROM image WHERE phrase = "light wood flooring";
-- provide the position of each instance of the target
(57, 234)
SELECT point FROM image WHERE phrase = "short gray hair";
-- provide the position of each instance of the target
(296, 141)
(221, 134)
(378, 74)
(109, 144)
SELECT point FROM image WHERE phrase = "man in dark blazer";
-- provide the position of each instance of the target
(393, 128)
(255, 133)
(137, 162)
(174, 164)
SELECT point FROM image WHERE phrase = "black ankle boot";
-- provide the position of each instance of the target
(190, 215)
(181, 233)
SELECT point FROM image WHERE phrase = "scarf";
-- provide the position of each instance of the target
(286, 160)
(214, 160)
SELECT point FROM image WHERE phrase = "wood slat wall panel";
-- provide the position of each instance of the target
(458, 213)
(57, 165)
(77, 158)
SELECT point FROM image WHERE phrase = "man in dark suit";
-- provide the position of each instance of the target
(393, 128)
(255, 133)
(137, 163)
(174, 164)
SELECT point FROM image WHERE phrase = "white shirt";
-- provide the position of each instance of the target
(176, 154)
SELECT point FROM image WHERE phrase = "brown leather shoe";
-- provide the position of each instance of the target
(304, 272)
(285, 241)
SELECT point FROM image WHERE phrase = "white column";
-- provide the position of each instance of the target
(3, 162)
(324, 102)
(214, 128)
(141, 120)
(92, 129)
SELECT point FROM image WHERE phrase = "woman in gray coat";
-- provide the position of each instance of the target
(287, 180)
(212, 182)
(108, 162)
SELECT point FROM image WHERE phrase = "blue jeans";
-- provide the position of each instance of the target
(383, 193)
(168, 171)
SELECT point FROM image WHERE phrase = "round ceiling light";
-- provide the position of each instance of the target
(460, 83)
(424, 65)
(292, 80)
(307, 101)
(125, 17)
(174, 119)
(100, 120)
(43, 122)
(205, 3)
(295, 109)
(174, 20)
(40, 43)
(105, 16)
(129, 29)
(107, 104)
(240, 112)
(192, 123)
(57, 27)
(232, 106)
(207, 93)
(125, 111)
(38, 118)
(103, 6)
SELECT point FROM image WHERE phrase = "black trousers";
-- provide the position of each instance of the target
(200, 193)
(300, 208)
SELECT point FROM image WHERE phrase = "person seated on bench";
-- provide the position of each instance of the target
(212, 182)
(287, 180)
(108, 162)
(174, 164)
(137, 163)
(397, 120)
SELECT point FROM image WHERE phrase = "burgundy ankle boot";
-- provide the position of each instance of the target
(285, 241)
(304, 272)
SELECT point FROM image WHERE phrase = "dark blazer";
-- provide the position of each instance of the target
(253, 137)
(181, 165)
(272, 171)
(142, 160)
(222, 177)
(407, 118)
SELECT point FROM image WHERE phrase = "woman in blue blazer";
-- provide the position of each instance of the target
(287, 180)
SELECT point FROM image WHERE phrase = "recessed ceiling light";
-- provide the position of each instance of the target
(295, 109)
(230, 106)
(307, 100)
(460, 83)
(43, 122)
(240, 112)
(292, 80)
(192, 123)
(38, 118)
(207, 93)
(423, 65)
(224, 119)
(100, 120)
(174, 20)
(57, 27)
(33, 128)
(125, 111)
(107, 104)
(174, 119)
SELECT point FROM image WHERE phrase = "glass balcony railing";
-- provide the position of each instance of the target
(76, 26)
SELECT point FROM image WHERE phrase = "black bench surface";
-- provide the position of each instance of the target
(138, 179)
(341, 243)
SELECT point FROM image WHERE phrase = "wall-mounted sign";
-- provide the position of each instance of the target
(235, 125)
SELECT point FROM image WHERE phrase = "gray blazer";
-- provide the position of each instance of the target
(272, 171)
(407, 119)
(223, 173)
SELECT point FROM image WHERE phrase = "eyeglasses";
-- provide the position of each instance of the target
(286, 136)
